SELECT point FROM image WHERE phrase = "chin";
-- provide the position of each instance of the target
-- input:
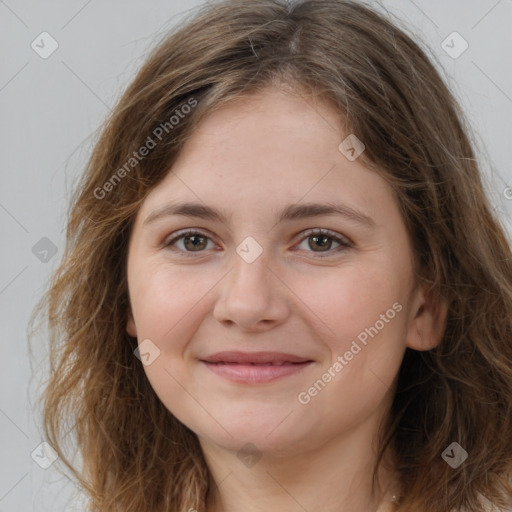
(277, 440)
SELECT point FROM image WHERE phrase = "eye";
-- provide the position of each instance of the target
(196, 241)
(323, 240)
(193, 241)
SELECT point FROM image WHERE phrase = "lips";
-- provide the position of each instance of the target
(255, 358)
(251, 368)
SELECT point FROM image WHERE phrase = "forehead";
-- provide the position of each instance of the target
(273, 148)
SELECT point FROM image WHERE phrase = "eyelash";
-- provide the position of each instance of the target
(344, 243)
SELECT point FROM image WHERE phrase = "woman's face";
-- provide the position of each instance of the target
(327, 316)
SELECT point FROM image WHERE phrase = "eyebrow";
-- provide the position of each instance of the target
(293, 211)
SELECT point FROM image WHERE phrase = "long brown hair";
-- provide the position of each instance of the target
(135, 455)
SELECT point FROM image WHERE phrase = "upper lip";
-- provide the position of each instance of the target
(254, 357)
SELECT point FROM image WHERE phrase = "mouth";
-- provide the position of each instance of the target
(255, 367)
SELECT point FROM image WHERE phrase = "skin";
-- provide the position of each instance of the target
(250, 159)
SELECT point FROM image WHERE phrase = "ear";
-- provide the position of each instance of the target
(131, 329)
(428, 319)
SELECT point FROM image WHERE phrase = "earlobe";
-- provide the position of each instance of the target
(428, 322)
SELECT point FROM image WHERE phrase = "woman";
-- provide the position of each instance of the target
(210, 358)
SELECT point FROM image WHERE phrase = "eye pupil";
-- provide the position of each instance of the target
(324, 238)
(194, 239)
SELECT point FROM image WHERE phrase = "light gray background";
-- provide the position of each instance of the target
(51, 108)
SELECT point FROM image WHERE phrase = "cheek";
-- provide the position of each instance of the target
(166, 298)
(363, 323)
(350, 299)
(167, 303)
(364, 312)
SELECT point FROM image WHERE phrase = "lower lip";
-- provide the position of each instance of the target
(255, 374)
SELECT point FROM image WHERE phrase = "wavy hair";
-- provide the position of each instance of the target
(388, 93)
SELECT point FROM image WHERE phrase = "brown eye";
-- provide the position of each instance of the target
(321, 240)
(191, 241)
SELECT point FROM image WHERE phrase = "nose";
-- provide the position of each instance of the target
(252, 296)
